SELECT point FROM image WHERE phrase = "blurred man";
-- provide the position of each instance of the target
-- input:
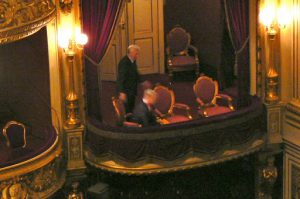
(143, 113)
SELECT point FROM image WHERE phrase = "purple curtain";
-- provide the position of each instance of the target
(99, 20)
(237, 19)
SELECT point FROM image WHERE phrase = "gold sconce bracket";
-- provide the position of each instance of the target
(70, 44)
(274, 18)
(66, 6)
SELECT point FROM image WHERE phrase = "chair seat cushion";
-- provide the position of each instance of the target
(183, 61)
(216, 110)
(177, 118)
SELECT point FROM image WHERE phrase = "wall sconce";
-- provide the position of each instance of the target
(70, 44)
(273, 19)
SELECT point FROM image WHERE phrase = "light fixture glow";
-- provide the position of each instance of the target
(70, 38)
(283, 16)
(81, 39)
(64, 38)
(267, 15)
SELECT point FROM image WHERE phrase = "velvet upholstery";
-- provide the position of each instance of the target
(179, 47)
(215, 110)
(183, 60)
(178, 40)
(206, 92)
(15, 134)
(164, 100)
(35, 146)
(177, 118)
(166, 103)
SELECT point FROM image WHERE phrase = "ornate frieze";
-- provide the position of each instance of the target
(40, 183)
(19, 18)
(274, 120)
(75, 148)
(267, 177)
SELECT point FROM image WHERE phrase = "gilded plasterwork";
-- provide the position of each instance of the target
(19, 18)
(41, 183)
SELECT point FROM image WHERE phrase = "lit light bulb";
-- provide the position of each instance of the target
(283, 16)
(81, 39)
(267, 15)
(64, 38)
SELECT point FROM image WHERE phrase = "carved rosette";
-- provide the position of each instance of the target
(41, 183)
(19, 18)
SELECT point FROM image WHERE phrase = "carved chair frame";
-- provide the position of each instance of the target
(8, 124)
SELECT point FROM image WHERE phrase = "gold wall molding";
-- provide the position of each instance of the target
(19, 19)
(292, 170)
(295, 53)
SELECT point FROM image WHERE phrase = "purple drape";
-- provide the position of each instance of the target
(99, 20)
(237, 19)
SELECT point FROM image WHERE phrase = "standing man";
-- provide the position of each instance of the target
(128, 77)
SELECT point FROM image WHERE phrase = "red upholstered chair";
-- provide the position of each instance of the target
(15, 134)
(206, 91)
(165, 104)
(182, 56)
(121, 115)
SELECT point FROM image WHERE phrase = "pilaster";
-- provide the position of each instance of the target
(274, 114)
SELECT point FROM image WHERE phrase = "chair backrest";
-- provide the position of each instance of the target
(165, 100)
(15, 134)
(119, 110)
(206, 90)
(178, 40)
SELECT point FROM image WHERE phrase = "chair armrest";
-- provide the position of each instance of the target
(181, 106)
(158, 113)
(131, 124)
(193, 48)
(184, 107)
(200, 101)
(128, 115)
(226, 97)
(168, 51)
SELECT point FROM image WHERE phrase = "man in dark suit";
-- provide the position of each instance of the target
(143, 113)
(128, 78)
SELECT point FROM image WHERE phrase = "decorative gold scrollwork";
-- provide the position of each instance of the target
(41, 183)
(14, 191)
(66, 6)
(19, 18)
